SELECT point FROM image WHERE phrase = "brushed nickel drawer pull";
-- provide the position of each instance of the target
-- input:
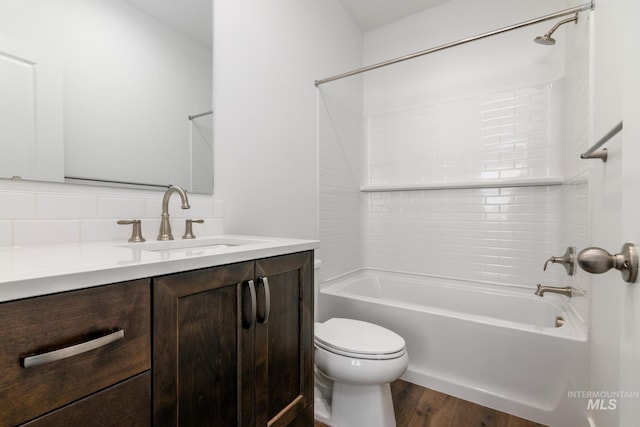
(74, 350)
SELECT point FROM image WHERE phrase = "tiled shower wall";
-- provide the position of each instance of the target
(503, 135)
(502, 235)
(494, 234)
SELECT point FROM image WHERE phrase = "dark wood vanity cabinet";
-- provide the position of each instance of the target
(77, 358)
(233, 345)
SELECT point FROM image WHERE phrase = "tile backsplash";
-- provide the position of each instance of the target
(34, 213)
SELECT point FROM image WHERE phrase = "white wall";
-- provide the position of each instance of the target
(630, 344)
(608, 289)
(615, 326)
(267, 56)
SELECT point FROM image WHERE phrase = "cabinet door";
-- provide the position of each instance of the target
(284, 339)
(197, 334)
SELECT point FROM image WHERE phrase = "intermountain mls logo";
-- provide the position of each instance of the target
(603, 400)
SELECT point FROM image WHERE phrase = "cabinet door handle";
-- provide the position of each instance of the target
(267, 300)
(252, 316)
(73, 350)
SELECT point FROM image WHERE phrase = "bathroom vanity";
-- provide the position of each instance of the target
(210, 335)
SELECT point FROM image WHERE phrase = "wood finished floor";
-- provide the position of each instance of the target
(416, 406)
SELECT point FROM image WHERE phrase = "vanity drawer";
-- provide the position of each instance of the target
(131, 400)
(107, 326)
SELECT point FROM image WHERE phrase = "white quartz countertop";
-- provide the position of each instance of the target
(39, 270)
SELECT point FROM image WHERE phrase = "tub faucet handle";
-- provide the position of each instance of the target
(567, 260)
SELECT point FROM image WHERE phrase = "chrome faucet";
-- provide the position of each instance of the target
(165, 225)
(566, 291)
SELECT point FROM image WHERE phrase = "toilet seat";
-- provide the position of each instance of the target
(357, 339)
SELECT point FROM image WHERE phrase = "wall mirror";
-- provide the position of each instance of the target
(112, 92)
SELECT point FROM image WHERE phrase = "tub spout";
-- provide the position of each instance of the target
(566, 291)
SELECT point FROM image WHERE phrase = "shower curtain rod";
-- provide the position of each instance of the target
(576, 9)
(594, 153)
(206, 113)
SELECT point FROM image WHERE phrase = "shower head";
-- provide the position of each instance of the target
(547, 39)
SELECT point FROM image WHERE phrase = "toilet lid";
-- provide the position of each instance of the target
(357, 338)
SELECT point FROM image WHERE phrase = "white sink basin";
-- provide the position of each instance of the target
(199, 243)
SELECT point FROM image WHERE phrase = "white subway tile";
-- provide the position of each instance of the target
(66, 206)
(407, 235)
(211, 226)
(93, 230)
(496, 234)
(53, 213)
(218, 209)
(33, 232)
(121, 207)
(500, 96)
(6, 234)
(18, 205)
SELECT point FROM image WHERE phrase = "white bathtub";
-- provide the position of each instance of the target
(494, 345)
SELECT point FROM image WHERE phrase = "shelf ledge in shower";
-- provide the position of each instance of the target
(494, 183)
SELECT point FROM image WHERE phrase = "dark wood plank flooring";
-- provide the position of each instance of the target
(416, 406)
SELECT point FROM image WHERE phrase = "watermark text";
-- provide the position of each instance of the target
(602, 400)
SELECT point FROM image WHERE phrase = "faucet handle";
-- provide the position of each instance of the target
(552, 259)
(567, 260)
(188, 228)
(136, 232)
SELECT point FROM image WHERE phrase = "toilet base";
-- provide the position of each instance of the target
(353, 405)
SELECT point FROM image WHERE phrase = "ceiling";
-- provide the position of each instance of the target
(369, 14)
(191, 17)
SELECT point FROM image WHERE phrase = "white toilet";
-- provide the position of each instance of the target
(355, 362)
